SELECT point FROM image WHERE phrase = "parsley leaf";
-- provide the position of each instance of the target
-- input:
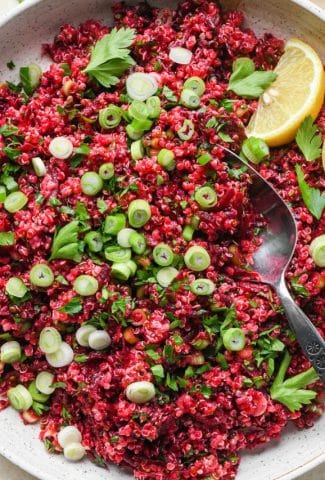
(7, 130)
(11, 65)
(12, 153)
(171, 382)
(308, 140)
(246, 82)
(291, 392)
(169, 94)
(254, 85)
(59, 385)
(65, 414)
(65, 244)
(227, 104)
(119, 305)
(313, 199)
(110, 56)
(102, 206)
(82, 212)
(225, 137)
(29, 79)
(158, 371)
(80, 358)
(73, 306)
(298, 288)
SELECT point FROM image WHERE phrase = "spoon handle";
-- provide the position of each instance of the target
(307, 335)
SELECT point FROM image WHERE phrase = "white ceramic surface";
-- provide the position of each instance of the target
(36, 22)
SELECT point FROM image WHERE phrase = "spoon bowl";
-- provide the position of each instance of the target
(272, 258)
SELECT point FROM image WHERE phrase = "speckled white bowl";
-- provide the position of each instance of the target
(21, 36)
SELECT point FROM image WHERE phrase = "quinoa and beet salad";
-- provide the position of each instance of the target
(131, 322)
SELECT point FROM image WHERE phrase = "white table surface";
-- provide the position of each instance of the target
(7, 470)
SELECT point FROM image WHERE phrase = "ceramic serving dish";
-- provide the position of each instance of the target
(22, 33)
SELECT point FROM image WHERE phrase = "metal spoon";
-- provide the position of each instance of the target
(272, 258)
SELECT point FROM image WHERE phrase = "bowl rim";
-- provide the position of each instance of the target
(32, 469)
(308, 5)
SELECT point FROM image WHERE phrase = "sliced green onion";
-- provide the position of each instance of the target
(74, 452)
(137, 150)
(188, 232)
(132, 266)
(142, 125)
(3, 193)
(50, 340)
(10, 183)
(186, 131)
(190, 99)
(166, 158)
(204, 159)
(43, 381)
(109, 117)
(163, 255)
(133, 133)
(15, 201)
(180, 55)
(141, 86)
(195, 221)
(41, 275)
(114, 223)
(61, 147)
(121, 271)
(138, 243)
(85, 285)
(34, 75)
(37, 396)
(123, 237)
(255, 149)
(202, 286)
(317, 250)
(140, 392)
(117, 254)
(139, 213)
(16, 287)
(91, 183)
(138, 110)
(234, 339)
(197, 258)
(206, 197)
(39, 166)
(94, 241)
(82, 334)
(99, 340)
(7, 239)
(62, 357)
(69, 435)
(20, 398)
(10, 352)
(160, 180)
(196, 84)
(106, 171)
(154, 107)
(166, 275)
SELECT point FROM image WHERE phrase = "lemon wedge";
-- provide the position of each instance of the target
(297, 92)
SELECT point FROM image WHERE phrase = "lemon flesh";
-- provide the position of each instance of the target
(297, 92)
